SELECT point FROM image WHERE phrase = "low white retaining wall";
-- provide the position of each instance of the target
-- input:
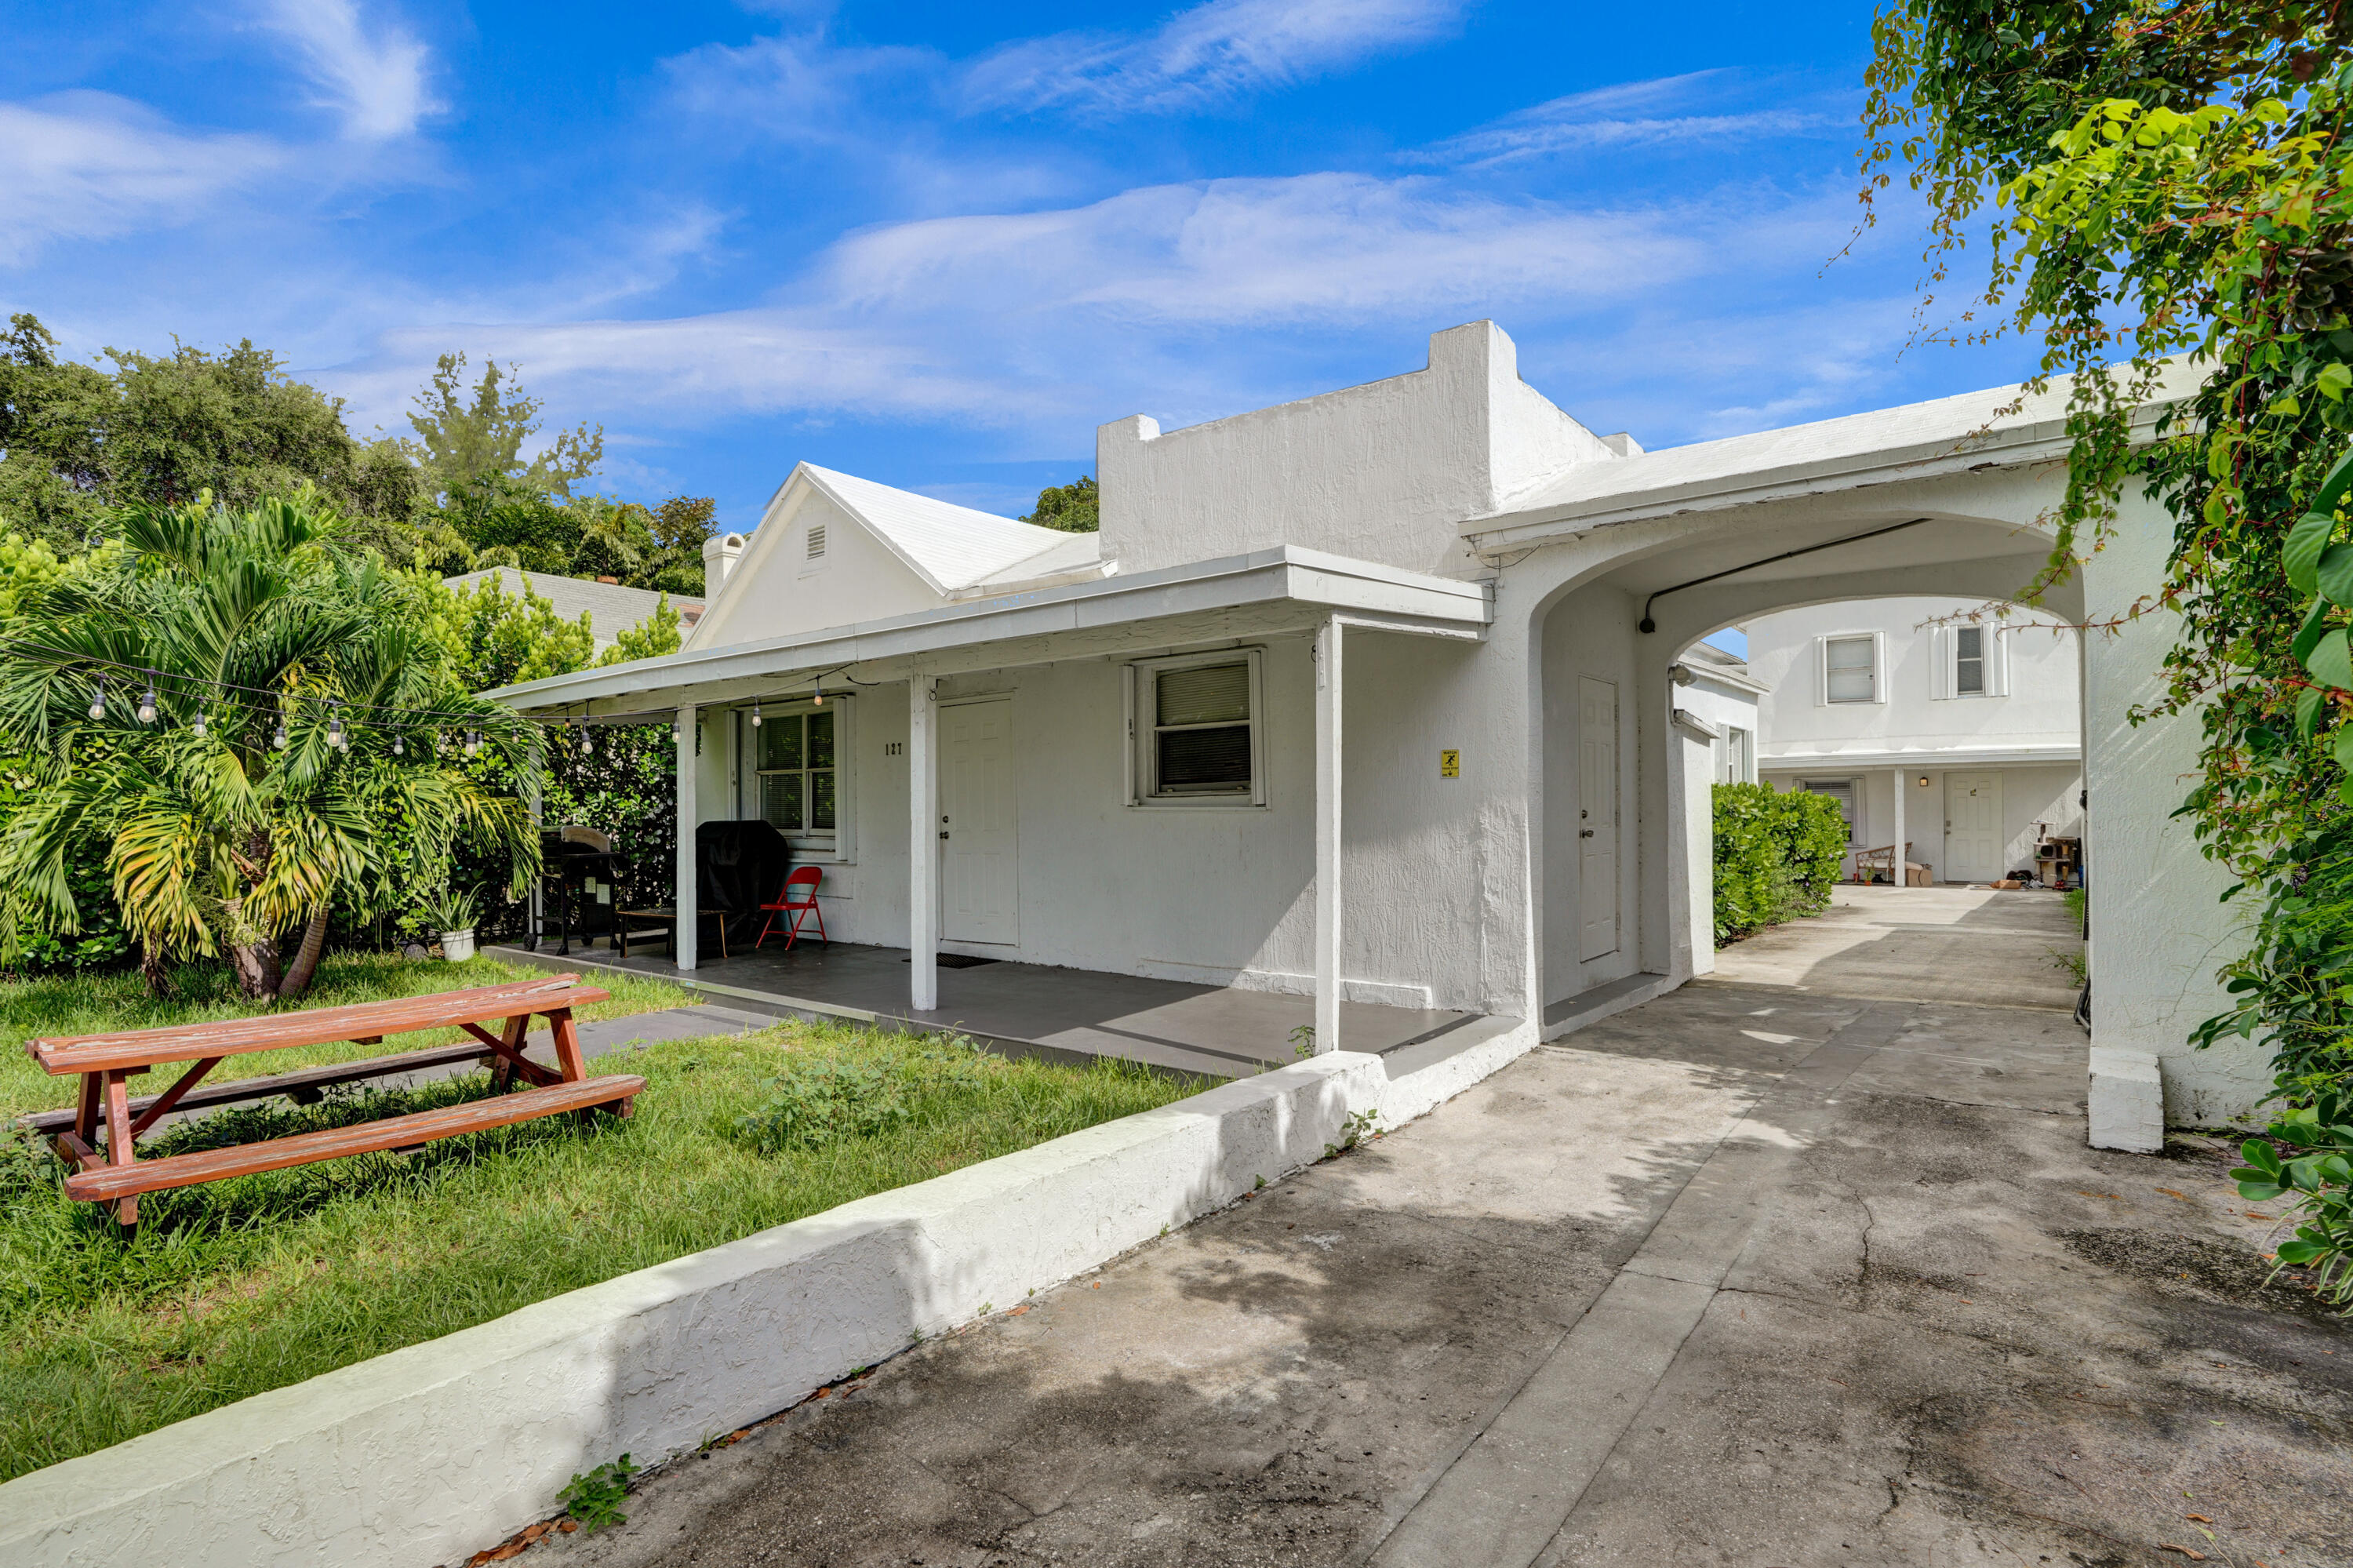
(430, 1452)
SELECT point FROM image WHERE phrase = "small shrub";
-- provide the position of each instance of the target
(1776, 856)
(2319, 1180)
(824, 1099)
(596, 1499)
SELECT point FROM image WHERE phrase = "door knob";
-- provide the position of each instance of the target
(1585, 833)
(943, 835)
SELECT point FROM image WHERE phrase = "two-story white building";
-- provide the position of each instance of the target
(1965, 729)
(1380, 696)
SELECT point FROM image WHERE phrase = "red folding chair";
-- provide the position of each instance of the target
(797, 910)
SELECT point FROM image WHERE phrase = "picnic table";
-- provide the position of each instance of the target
(108, 1170)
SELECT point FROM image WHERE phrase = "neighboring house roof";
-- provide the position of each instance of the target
(954, 547)
(611, 609)
(1713, 664)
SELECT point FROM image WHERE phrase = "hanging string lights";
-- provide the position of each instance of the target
(335, 736)
(98, 703)
(200, 729)
(147, 701)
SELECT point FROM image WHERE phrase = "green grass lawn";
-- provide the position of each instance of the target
(240, 1286)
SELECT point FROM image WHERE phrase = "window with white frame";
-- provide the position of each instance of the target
(1840, 790)
(1196, 726)
(796, 764)
(1733, 754)
(1851, 668)
(1970, 662)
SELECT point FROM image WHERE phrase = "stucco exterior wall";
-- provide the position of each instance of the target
(2159, 927)
(1217, 894)
(2040, 709)
(1382, 473)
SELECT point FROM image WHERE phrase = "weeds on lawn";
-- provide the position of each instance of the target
(236, 1288)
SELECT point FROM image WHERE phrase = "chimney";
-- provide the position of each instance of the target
(719, 558)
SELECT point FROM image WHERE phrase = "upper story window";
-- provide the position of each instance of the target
(1196, 731)
(1851, 668)
(1970, 662)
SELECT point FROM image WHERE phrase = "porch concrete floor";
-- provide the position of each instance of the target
(1745, 1275)
(1214, 1030)
(1979, 945)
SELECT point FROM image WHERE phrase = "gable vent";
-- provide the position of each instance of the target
(815, 540)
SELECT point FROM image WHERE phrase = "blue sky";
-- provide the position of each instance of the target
(938, 245)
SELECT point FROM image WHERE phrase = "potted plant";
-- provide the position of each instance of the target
(453, 912)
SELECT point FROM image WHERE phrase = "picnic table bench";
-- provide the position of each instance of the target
(109, 1171)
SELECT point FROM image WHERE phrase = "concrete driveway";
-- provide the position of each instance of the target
(1748, 1276)
(1919, 944)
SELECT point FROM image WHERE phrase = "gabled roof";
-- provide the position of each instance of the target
(611, 609)
(953, 547)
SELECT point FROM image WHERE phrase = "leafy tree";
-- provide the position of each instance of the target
(161, 430)
(2154, 178)
(467, 435)
(650, 638)
(490, 638)
(233, 815)
(1073, 508)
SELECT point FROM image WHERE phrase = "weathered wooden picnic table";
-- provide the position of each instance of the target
(112, 1174)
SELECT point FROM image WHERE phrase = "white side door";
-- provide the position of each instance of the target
(1596, 827)
(980, 865)
(1973, 836)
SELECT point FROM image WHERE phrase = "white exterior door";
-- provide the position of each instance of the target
(979, 876)
(1973, 836)
(1596, 827)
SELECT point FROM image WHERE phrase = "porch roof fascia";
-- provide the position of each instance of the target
(1369, 594)
(1914, 442)
(1946, 760)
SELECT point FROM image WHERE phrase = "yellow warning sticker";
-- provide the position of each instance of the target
(1449, 764)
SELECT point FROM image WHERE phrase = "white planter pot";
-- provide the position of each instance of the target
(457, 946)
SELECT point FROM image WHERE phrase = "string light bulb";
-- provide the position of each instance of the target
(818, 700)
(98, 703)
(586, 748)
(756, 717)
(147, 701)
(201, 728)
(335, 736)
(473, 742)
(277, 738)
(673, 732)
(398, 748)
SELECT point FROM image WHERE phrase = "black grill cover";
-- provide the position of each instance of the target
(739, 865)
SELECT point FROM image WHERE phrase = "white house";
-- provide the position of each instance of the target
(1967, 725)
(1381, 693)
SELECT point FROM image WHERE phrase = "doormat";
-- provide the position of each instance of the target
(955, 962)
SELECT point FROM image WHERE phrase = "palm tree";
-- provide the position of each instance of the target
(241, 706)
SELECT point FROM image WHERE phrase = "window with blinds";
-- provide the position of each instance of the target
(1196, 730)
(1847, 672)
(1969, 662)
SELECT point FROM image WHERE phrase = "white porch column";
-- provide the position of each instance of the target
(1899, 855)
(1327, 836)
(689, 897)
(924, 843)
(532, 804)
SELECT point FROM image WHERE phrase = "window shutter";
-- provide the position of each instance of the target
(1997, 658)
(1879, 681)
(1940, 661)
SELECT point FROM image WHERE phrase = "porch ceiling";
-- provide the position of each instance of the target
(1266, 592)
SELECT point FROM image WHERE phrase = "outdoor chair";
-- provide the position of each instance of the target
(796, 911)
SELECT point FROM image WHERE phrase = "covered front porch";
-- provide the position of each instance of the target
(1107, 891)
(1223, 1031)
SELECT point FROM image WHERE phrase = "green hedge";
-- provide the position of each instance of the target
(1776, 856)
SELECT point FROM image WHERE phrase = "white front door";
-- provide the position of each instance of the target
(980, 879)
(1597, 825)
(1973, 836)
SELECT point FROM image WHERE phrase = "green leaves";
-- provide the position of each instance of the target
(2334, 575)
(2330, 661)
(2300, 555)
(2333, 380)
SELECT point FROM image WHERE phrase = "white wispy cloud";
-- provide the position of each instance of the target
(1208, 53)
(88, 165)
(374, 77)
(1666, 111)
